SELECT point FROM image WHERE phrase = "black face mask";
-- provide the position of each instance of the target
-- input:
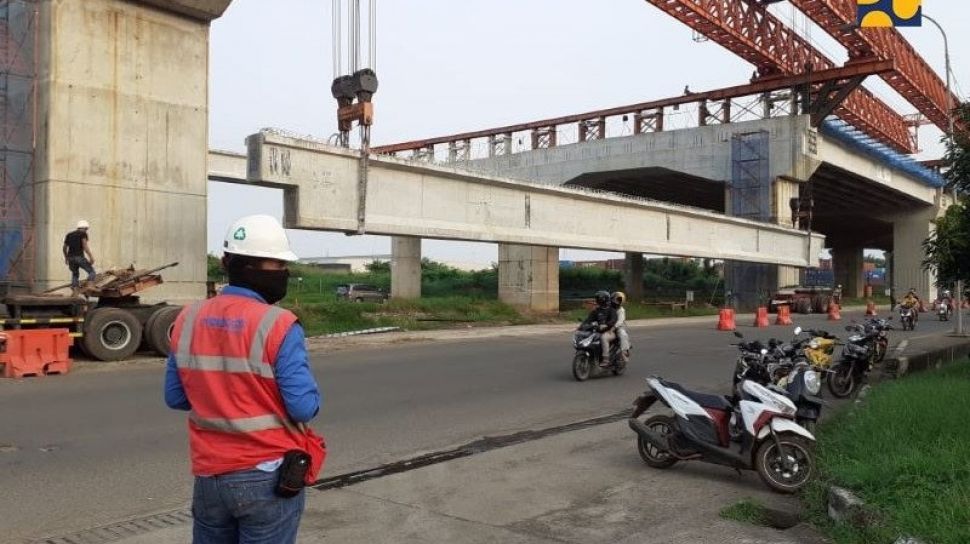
(269, 284)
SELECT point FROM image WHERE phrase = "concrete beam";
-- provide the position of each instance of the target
(200, 10)
(226, 166)
(320, 184)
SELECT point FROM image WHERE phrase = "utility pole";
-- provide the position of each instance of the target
(949, 115)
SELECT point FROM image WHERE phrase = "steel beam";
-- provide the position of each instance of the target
(913, 78)
(749, 31)
(763, 85)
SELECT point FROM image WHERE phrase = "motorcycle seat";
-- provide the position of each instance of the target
(716, 402)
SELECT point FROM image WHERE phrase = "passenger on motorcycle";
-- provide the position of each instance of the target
(605, 317)
(911, 300)
(616, 300)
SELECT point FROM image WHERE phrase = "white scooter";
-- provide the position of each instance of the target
(759, 433)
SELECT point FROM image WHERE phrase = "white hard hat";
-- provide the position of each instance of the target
(258, 236)
(82, 224)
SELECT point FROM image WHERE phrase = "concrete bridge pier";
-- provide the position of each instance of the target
(122, 136)
(405, 267)
(909, 232)
(848, 265)
(633, 276)
(528, 277)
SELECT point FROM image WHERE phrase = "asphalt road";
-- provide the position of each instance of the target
(98, 446)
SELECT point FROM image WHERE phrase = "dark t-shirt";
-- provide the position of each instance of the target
(75, 243)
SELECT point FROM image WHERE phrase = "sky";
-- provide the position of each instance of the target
(448, 66)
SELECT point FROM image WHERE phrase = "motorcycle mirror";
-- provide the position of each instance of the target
(739, 335)
(764, 351)
(798, 330)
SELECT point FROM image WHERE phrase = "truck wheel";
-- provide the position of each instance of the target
(111, 334)
(803, 306)
(158, 329)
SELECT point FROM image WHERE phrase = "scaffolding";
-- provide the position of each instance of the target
(18, 70)
(750, 199)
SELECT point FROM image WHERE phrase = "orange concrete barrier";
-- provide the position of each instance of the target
(870, 308)
(834, 312)
(784, 315)
(36, 352)
(761, 317)
(725, 321)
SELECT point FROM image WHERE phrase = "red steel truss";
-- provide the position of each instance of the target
(913, 78)
(648, 116)
(748, 30)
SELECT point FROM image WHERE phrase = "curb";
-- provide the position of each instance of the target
(358, 333)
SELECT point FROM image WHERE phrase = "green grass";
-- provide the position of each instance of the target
(906, 452)
(328, 316)
(746, 511)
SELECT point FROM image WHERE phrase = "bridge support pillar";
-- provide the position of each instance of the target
(849, 269)
(909, 232)
(633, 276)
(405, 267)
(121, 136)
(528, 277)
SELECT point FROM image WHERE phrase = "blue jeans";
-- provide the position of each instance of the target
(74, 263)
(240, 507)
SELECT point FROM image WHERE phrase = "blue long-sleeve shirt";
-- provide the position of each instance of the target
(301, 396)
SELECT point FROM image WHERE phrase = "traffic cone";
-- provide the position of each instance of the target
(834, 314)
(761, 318)
(784, 315)
(870, 308)
(725, 320)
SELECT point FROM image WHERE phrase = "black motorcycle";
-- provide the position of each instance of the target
(781, 366)
(858, 355)
(589, 353)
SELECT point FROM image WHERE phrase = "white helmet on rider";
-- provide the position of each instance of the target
(259, 236)
(82, 224)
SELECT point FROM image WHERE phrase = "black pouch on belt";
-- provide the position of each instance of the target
(293, 471)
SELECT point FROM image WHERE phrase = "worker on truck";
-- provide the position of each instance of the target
(75, 248)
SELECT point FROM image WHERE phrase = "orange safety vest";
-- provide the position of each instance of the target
(225, 349)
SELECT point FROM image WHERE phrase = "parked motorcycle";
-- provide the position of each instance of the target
(882, 328)
(857, 359)
(589, 354)
(907, 317)
(756, 433)
(785, 366)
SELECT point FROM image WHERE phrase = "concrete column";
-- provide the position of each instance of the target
(528, 277)
(122, 136)
(633, 276)
(909, 232)
(405, 267)
(849, 269)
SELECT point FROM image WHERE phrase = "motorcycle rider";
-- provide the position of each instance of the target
(911, 300)
(605, 317)
(616, 300)
(946, 298)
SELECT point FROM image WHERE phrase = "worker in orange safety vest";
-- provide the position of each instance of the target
(239, 365)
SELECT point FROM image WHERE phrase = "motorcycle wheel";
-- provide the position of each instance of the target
(787, 470)
(582, 366)
(650, 454)
(880, 351)
(842, 382)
